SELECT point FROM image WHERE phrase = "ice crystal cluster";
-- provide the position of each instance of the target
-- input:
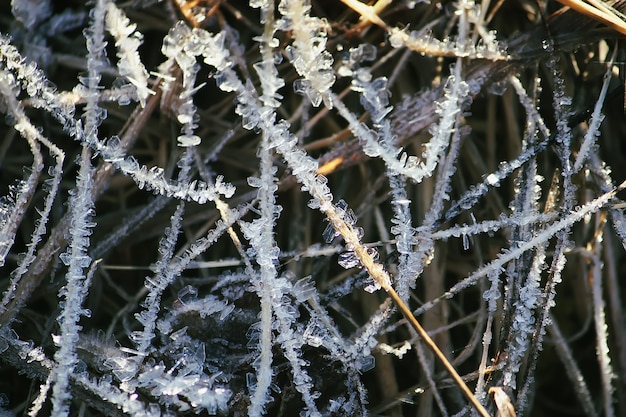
(255, 209)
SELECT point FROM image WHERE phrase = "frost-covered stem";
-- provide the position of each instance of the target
(308, 53)
(42, 93)
(291, 347)
(428, 368)
(573, 372)
(76, 288)
(523, 319)
(39, 401)
(34, 137)
(510, 255)
(185, 56)
(260, 233)
(128, 403)
(82, 209)
(596, 117)
(404, 233)
(179, 264)
(350, 236)
(490, 226)
(164, 275)
(153, 180)
(532, 114)
(523, 297)
(563, 137)
(381, 143)
(260, 395)
(127, 41)
(491, 296)
(156, 285)
(618, 220)
(344, 351)
(12, 213)
(607, 374)
(424, 43)
(262, 237)
(479, 392)
(445, 173)
(455, 92)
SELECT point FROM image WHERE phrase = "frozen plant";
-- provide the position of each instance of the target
(298, 208)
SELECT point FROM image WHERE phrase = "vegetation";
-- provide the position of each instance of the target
(311, 208)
